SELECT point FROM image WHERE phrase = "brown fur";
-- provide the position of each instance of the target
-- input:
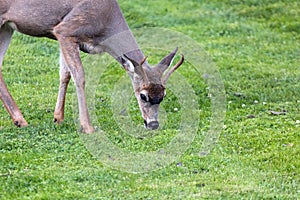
(93, 26)
(156, 92)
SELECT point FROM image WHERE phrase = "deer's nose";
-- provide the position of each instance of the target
(152, 125)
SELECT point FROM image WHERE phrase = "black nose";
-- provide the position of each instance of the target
(153, 125)
(155, 100)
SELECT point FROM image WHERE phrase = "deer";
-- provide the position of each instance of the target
(94, 27)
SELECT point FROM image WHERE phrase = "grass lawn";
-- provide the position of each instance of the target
(256, 47)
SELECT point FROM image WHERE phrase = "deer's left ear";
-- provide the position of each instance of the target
(132, 67)
(127, 64)
(166, 61)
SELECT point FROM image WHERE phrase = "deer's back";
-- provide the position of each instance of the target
(39, 17)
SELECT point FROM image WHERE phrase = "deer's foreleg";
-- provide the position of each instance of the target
(70, 51)
(65, 77)
(10, 105)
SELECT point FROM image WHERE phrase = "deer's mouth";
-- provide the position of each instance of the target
(153, 125)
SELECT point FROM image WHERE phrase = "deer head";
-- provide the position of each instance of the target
(149, 85)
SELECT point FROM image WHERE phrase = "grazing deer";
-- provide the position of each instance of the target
(92, 26)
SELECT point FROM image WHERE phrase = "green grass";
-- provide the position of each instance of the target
(255, 45)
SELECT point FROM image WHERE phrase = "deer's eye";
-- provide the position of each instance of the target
(144, 97)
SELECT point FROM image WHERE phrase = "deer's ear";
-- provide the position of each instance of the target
(166, 61)
(133, 67)
(127, 64)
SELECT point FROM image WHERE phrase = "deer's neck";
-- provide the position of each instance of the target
(116, 39)
(123, 43)
(119, 39)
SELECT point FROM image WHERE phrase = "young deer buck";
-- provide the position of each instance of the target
(92, 26)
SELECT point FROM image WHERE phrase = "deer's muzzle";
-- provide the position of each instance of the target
(153, 125)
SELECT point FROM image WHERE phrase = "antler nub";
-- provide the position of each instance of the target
(167, 76)
(144, 60)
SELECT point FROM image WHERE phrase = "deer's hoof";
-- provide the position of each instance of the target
(58, 119)
(21, 123)
(87, 129)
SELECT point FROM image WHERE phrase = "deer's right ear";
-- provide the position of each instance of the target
(127, 64)
(166, 62)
